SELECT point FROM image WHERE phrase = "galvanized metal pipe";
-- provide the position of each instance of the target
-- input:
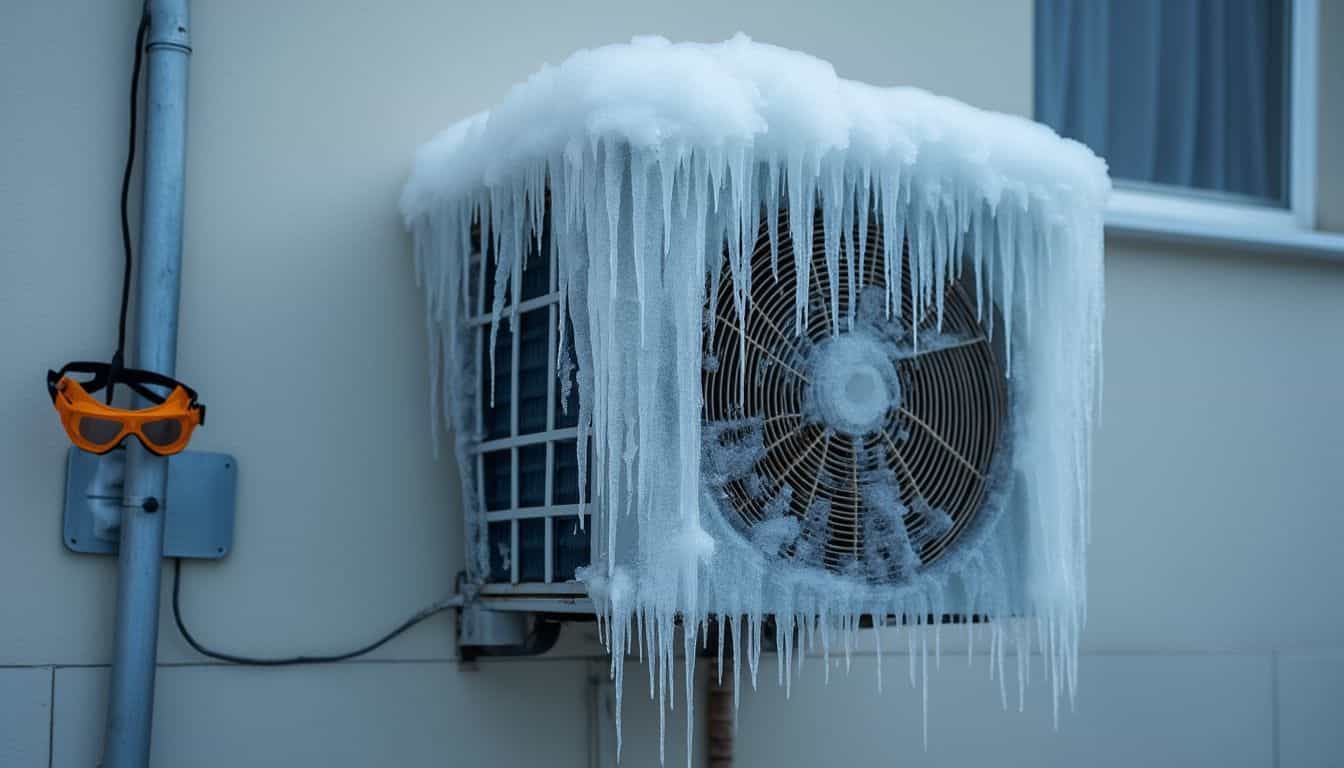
(130, 710)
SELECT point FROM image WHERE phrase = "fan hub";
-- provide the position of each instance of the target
(854, 383)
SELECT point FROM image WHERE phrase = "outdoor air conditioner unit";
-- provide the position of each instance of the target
(725, 340)
(833, 412)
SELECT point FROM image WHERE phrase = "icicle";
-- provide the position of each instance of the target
(1007, 269)
(832, 224)
(772, 214)
(924, 682)
(639, 221)
(877, 641)
(849, 252)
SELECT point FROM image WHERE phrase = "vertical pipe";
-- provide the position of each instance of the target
(722, 716)
(130, 710)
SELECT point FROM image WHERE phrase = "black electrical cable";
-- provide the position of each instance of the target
(118, 360)
(118, 357)
(423, 614)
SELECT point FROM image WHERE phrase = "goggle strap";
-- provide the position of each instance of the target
(103, 376)
(114, 372)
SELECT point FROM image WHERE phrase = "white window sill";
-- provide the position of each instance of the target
(1175, 219)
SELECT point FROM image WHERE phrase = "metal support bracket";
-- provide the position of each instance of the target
(199, 508)
(483, 630)
(479, 627)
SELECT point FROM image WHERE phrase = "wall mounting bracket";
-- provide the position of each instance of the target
(198, 507)
(486, 631)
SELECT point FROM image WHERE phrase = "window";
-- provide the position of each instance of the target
(1204, 109)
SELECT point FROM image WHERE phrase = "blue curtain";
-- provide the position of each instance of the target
(1183, 92)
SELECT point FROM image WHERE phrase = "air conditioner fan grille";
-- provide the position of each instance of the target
(937, 438)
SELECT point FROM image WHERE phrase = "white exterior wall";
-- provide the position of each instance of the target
(1216, 632)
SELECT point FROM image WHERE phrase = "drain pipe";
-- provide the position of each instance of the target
(721, 715)
(130, 709)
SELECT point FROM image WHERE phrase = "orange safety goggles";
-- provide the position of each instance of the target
(164, 428)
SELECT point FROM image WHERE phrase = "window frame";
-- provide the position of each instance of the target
(1173, 214)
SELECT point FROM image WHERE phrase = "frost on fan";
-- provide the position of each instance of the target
(836, 346)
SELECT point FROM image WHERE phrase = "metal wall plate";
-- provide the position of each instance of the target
(202, 496)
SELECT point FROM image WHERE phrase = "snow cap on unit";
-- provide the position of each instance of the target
(654, 165)
(741, 95)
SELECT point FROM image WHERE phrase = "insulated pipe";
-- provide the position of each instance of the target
(130, 710)
(722, 717)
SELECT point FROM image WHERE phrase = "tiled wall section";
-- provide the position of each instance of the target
(1152, 710)
(25, 716)
(1311, 709)
(348, 715)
